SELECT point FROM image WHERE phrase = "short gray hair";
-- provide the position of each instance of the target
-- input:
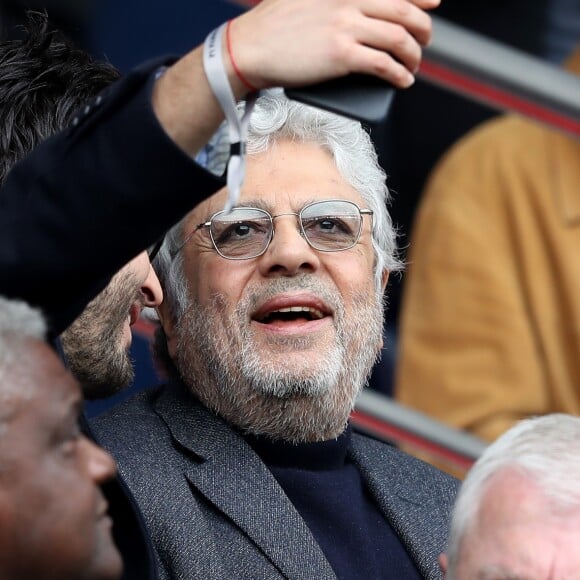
(18, 322)
(544, 449)
(276, 118)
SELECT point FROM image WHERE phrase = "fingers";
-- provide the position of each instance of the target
(426, 4)
(294, 42)
(383, 65)
(398, 28)
(404, 13)
(393, 39)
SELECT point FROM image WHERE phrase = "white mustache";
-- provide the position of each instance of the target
(255, 296)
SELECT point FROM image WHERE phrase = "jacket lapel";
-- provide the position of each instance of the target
(415, 498)
(230, 475)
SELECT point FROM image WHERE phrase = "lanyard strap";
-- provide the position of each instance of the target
(213, 64)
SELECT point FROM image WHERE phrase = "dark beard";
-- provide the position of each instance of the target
(93, 344)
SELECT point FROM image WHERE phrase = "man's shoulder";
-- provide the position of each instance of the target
(141, 403)
(155, 420)
(130, 420)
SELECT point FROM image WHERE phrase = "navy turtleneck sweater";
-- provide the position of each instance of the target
(328, 492)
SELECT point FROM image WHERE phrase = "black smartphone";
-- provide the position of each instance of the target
(362, 97)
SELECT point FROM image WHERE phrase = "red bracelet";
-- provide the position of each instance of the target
(248, 84)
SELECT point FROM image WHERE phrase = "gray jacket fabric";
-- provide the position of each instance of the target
(215, 511)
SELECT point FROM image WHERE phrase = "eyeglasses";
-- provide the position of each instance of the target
(246, 232)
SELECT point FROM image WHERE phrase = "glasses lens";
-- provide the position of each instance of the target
(331, 225)
(242, 233)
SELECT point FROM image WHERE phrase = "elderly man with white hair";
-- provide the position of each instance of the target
(245, 465)
(518, 512)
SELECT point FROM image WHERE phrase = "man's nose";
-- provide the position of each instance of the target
(151, 289)
(100, 465)
(289, 253)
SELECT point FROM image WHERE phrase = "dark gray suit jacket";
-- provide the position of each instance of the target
(215, 511)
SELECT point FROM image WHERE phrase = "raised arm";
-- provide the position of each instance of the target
(91, 198)
(292, 43)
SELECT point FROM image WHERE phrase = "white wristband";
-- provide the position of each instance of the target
(213, 65)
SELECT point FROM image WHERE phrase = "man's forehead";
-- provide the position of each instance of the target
(49, 376)
(211, 205)
(512, 497)
(37, 387)
(289, 174)
(517, 535)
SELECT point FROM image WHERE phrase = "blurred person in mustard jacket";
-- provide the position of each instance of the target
(490, 326)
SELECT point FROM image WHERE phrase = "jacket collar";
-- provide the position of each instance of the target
(224, 468)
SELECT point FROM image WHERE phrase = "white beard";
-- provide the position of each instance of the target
(271, 391)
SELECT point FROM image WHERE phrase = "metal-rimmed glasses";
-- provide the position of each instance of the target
(243, 233)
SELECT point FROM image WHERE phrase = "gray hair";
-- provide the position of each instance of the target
(276, 118)
(544, 449)
(18, 322)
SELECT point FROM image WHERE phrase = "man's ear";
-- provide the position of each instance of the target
(167, 321)
(443, 564)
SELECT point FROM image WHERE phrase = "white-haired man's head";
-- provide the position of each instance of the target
(518, 510)
(276, 118)
(273, 317)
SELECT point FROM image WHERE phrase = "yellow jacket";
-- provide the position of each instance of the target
(490, 325)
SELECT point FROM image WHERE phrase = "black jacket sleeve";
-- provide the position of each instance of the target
(89, 199)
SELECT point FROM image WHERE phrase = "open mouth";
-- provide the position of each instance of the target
(292, 311)
(291, 314)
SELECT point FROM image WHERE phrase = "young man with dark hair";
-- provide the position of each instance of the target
(44, 81)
